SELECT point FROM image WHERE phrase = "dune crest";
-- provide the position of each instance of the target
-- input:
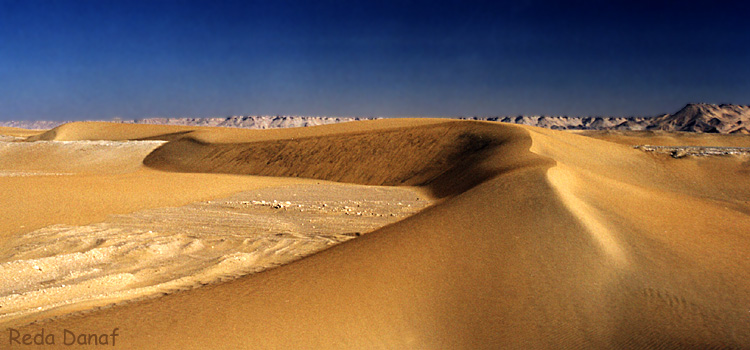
(566, 185)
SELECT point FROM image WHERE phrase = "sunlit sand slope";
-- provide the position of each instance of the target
(101, 131)
(67, 158)
(544, 239)
(18, 132)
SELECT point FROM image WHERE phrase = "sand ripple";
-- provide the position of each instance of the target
(161, 250)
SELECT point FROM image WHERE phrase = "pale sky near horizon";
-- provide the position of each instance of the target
(88, 59)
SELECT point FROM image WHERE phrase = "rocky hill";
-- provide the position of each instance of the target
(575, 123)
(702, 117)
(698, 117)
(694, 117)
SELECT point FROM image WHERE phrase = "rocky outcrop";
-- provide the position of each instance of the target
(574, 123)
(703, 117)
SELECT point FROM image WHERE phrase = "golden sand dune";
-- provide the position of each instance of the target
(448, 158)
(18, 132)
(543, 239)
(66, 157)
(101, 131)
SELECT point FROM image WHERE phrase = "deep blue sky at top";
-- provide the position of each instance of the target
(105, 58)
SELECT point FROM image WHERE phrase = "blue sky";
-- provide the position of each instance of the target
(100, 59)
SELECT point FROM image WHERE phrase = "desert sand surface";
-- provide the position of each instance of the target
(519, 237)
(16, 134)
(64, 268)
(83, 262)
(665, 138)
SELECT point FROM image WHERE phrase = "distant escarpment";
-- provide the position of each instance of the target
(250, 122)
(696, 117)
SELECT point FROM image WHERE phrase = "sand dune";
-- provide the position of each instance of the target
(18, 132)
(65, 157)
(448, 158)
(101, 131)
(9, 134)
(542, 239)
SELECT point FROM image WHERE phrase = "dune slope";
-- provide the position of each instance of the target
(544, 240)
(448, 157)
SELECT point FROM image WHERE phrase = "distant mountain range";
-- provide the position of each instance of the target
(694, 117)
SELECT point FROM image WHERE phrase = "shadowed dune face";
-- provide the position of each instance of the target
(544, 239)
(447, 158)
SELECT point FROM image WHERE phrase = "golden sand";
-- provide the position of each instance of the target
(539, 239)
